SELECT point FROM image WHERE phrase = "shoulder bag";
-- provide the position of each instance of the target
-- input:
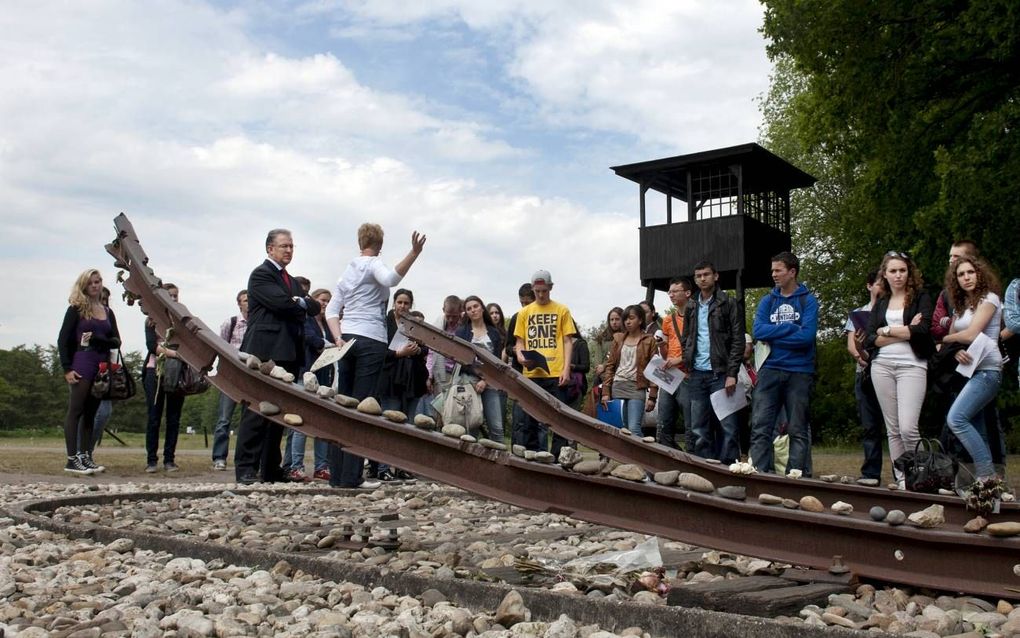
(927, 468)
(462, 405)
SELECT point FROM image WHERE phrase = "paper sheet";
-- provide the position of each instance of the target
(762, 350)
(666, 378)
(726, 404)
(977, 351)
(331, 355)
(399, 341)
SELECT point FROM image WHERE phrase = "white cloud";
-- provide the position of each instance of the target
(174, 114)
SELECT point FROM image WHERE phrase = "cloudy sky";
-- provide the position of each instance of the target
(489, 126)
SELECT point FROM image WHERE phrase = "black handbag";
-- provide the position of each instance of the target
(122, 384)
(180, 378)
(928, 468)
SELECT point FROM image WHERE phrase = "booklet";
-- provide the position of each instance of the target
(666, 378)
(537, 358)
(860, 319)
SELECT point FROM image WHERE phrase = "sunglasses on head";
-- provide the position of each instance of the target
(898, 255)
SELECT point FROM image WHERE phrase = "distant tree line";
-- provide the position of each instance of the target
(33, 395)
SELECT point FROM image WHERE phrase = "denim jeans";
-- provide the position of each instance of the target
(871, 426)
(979, 391)
(534, 433)
(358, 374)
(699, 386)
(156, 401)
(297, 452)
(492, 410)
(670, 407)
(777, 389)
(633, 415)
(221, 435)
(393, 403)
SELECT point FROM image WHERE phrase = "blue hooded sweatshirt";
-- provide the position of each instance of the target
(788, 325)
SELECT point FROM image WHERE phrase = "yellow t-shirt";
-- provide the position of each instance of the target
(544, 328)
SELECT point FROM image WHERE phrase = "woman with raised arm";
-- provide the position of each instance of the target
(87, 335)
(477, 327)
(977, 316)
(624, 376)
(362, 294)
(899, 345)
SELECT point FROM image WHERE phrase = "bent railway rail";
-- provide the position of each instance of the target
(945, 558)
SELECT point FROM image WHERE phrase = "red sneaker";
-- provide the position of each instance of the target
(298, 476)
(321, 474)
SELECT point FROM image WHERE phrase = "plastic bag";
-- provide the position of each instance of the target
(645, 556)
(781, 453)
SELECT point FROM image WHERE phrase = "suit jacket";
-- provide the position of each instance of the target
(275, 321)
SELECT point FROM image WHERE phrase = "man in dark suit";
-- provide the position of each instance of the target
(277, 307)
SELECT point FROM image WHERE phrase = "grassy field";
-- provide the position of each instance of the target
(42, 455)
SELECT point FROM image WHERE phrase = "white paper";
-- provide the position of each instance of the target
(977, 351)
(331, 354)
(399, 341)
(726, 404)
(762, 350)
(666, 378)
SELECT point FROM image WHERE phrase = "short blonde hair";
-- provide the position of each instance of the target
(79, 297)
(370, 236)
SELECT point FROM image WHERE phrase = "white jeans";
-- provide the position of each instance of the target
(900, 389)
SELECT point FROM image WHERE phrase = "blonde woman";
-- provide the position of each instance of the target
(87, 335)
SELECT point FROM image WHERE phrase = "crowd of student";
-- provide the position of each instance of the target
(905, 344)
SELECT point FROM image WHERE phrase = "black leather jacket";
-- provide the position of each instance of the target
(725, 330)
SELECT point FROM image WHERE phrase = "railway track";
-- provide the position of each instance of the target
(945, 558)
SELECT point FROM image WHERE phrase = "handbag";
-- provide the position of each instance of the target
(180, 378)
(462, 405)
(101, 382)
(927, 468)
(122, 384)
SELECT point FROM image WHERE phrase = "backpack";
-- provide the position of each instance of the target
(462, 405)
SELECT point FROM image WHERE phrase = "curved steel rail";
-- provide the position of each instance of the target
(945, 559)
(620, 445)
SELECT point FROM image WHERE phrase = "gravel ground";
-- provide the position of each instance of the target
(54, 585)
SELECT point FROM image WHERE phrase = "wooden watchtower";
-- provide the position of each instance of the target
(736, 214)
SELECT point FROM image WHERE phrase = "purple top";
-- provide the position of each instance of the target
(86, 362)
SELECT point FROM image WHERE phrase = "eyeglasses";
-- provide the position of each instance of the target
(898, 255)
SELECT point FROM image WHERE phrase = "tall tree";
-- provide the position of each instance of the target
(908, 113)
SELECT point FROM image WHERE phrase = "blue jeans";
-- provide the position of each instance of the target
(156, 400)
(779, 389)
(699, 386)
(221, 435)
(979, 392)
(358, 374)
(492, 410)
(297, 452)
(670, 407)
(872, 424)
(633, 414)
(534, 434)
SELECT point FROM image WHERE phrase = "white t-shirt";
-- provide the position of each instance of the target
(899, 352)
(362, 293)
(993, 358)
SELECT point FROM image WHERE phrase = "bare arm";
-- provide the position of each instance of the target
(417, 244)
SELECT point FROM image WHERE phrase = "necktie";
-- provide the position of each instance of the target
(286, 278)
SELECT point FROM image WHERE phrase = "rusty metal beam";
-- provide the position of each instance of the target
(620, 445)
(944, 559)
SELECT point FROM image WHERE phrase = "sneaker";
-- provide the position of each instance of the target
(386, 476)
(171, 467)
(298, 475)
(74, 466)
(369, 484)
(321, 474)
(89, 464)
(406, 476)
(219, 466)
(151, 468)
